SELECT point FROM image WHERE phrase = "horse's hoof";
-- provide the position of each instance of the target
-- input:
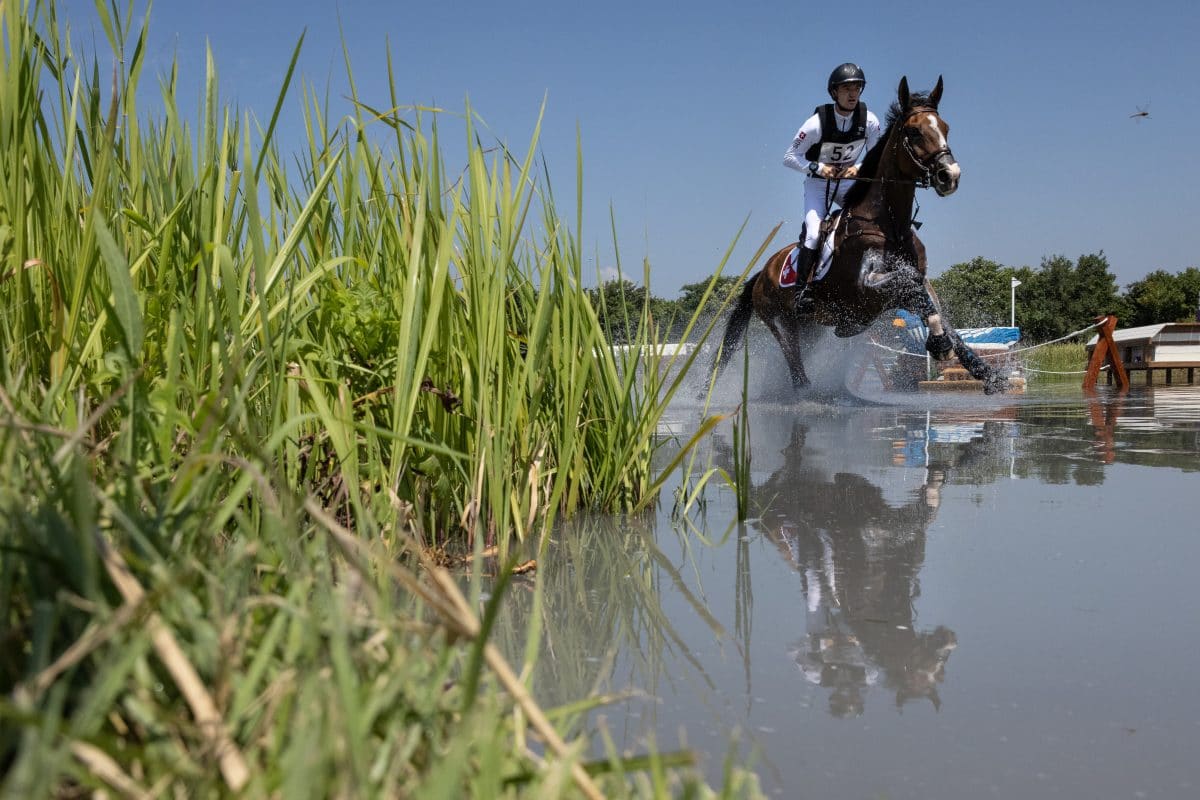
(940, 346)
(995, 384)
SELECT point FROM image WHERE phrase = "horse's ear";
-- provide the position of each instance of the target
(902, 92)
(935, 96)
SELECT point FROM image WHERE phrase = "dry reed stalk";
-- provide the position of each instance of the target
(92, 637)
(459, 617)
(212, 727)
(108, 770)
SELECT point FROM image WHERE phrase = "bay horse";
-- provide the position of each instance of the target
(876, 262)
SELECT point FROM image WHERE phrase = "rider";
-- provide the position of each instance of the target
(829, 147)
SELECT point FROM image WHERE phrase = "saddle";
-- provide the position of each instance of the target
(789, 273)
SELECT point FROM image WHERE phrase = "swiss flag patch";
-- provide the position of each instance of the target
(787, 274)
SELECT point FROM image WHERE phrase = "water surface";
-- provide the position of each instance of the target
(946, 597)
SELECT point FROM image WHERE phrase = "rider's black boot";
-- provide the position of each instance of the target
(802, 303)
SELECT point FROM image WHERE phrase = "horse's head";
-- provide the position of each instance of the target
(923, 138)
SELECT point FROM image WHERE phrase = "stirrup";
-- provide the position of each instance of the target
(803, 303)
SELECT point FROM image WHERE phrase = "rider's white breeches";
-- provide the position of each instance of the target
(815, 205)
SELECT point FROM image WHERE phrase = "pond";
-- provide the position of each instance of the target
(938, 597)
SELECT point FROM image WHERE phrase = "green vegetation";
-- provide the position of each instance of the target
(244, 395)
(670, 318)
(1164, 297)
(1065, 361)
(1058, 298)
(1061, 297)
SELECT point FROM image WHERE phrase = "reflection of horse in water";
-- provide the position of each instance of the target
(859, 558)
(877, 262)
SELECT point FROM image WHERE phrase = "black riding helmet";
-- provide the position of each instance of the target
(846, 73)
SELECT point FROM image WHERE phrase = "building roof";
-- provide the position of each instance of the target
(1147, 334)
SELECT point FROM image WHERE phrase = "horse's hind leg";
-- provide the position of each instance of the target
(787, 333)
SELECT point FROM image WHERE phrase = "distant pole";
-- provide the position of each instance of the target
(1012, 304)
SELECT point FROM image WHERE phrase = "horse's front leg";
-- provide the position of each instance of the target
(919, 299)
(944, 342)
(939, 343)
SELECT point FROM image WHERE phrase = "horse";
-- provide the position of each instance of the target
(873, 260)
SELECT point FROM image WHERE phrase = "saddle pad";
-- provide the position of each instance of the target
(826, 259)
(787, 273)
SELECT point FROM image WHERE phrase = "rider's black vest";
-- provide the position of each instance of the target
(830, 132)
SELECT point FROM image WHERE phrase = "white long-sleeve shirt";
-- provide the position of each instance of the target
(810, 134)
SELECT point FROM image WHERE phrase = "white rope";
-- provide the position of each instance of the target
(898, 352)
(1093, 326)
(1072, 372)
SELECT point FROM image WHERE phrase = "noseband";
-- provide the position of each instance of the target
(931, 162)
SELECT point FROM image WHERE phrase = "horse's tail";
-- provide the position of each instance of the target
(739, 318)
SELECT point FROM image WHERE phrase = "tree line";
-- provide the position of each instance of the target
(1061, 296)
(1056, 298)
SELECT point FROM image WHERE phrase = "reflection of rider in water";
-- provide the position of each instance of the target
(831, 655)
(859, 559)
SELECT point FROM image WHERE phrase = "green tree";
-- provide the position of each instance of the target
(975, 293)
(618, 305)
(1163, 297)
(691, 293)
(667, 318)
(1061, 297)
(1095, 292)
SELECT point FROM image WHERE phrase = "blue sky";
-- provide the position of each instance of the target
(685, 111)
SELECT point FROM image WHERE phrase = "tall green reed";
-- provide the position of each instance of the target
(238, 387)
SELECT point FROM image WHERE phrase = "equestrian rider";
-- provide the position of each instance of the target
(828, 148)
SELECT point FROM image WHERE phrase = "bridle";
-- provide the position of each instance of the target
(928, 166)
(932, 162)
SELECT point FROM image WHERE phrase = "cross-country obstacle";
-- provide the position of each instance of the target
(899, 358)
(957, 379)
(1166, 349)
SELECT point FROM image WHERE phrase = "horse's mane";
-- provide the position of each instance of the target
(870, 165)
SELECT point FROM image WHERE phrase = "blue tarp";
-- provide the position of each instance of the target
(990, 335)
(996, 335)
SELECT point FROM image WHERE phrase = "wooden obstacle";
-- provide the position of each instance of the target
(957, 379)
(1106, 351)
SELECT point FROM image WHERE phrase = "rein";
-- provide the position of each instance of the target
(921, 183)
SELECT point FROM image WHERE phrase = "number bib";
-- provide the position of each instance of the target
(841, 153)
(838, 147)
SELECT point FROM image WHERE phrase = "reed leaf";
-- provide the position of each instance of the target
(244, 392)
